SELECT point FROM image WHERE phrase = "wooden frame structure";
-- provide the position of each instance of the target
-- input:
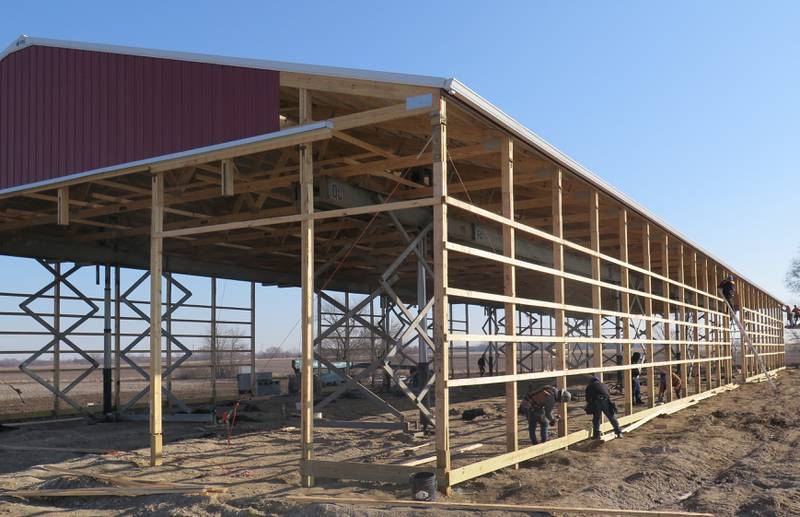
(362, 166)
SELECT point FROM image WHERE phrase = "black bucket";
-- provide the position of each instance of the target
(423, 486)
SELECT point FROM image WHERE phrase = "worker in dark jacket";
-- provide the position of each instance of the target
(636, 358)
(728, 289)
(538, 406)
(598, 403)
(482, 364)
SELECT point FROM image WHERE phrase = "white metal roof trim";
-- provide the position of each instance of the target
(325, 124)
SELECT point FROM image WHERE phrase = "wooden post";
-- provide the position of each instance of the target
(648, 310)
(667, 312)
(253, 338)
(213, 340)
(156, 263)
(626, 309)
(682, 335)
(57, 344)
(509, 289)
(62, 219)
(228, 171)
(440, 304)
(698, 350)
(743, 303)
(558, 292)
(307, 293)
(597, 297)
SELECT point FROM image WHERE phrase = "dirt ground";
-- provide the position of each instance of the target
(733, 454)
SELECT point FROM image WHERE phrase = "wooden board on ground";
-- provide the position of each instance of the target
(491, 507)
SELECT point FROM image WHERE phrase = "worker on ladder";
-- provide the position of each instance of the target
(728, 288)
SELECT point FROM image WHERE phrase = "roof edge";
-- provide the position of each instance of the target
(25, 41)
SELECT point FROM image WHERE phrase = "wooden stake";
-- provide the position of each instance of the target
(156, 262)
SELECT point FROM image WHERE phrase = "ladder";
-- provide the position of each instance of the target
(746, 338)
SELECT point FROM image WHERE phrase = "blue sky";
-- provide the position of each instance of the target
(691, 108)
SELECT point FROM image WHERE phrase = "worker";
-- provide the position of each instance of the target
(482, 364)
(538, 406)
(491, 364)
(636, 358)
(789, 315)
(796, 313)
(728, 288)
(662, 386)
(598, 403)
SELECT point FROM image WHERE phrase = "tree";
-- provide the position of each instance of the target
(792, 279)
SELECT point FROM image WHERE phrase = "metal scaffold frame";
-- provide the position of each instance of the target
(69, 328)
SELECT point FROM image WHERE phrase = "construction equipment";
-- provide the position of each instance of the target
(746, 338)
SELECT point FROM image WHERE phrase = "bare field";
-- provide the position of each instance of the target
(735, 454)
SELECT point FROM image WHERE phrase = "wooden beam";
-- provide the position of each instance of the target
(306, 295)
(359, 471)
(471, 508)
(380, 115)
(301, 217)
(62, 218)
(440, 306)
(156, 265)
(340, 85)
(509, 289)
